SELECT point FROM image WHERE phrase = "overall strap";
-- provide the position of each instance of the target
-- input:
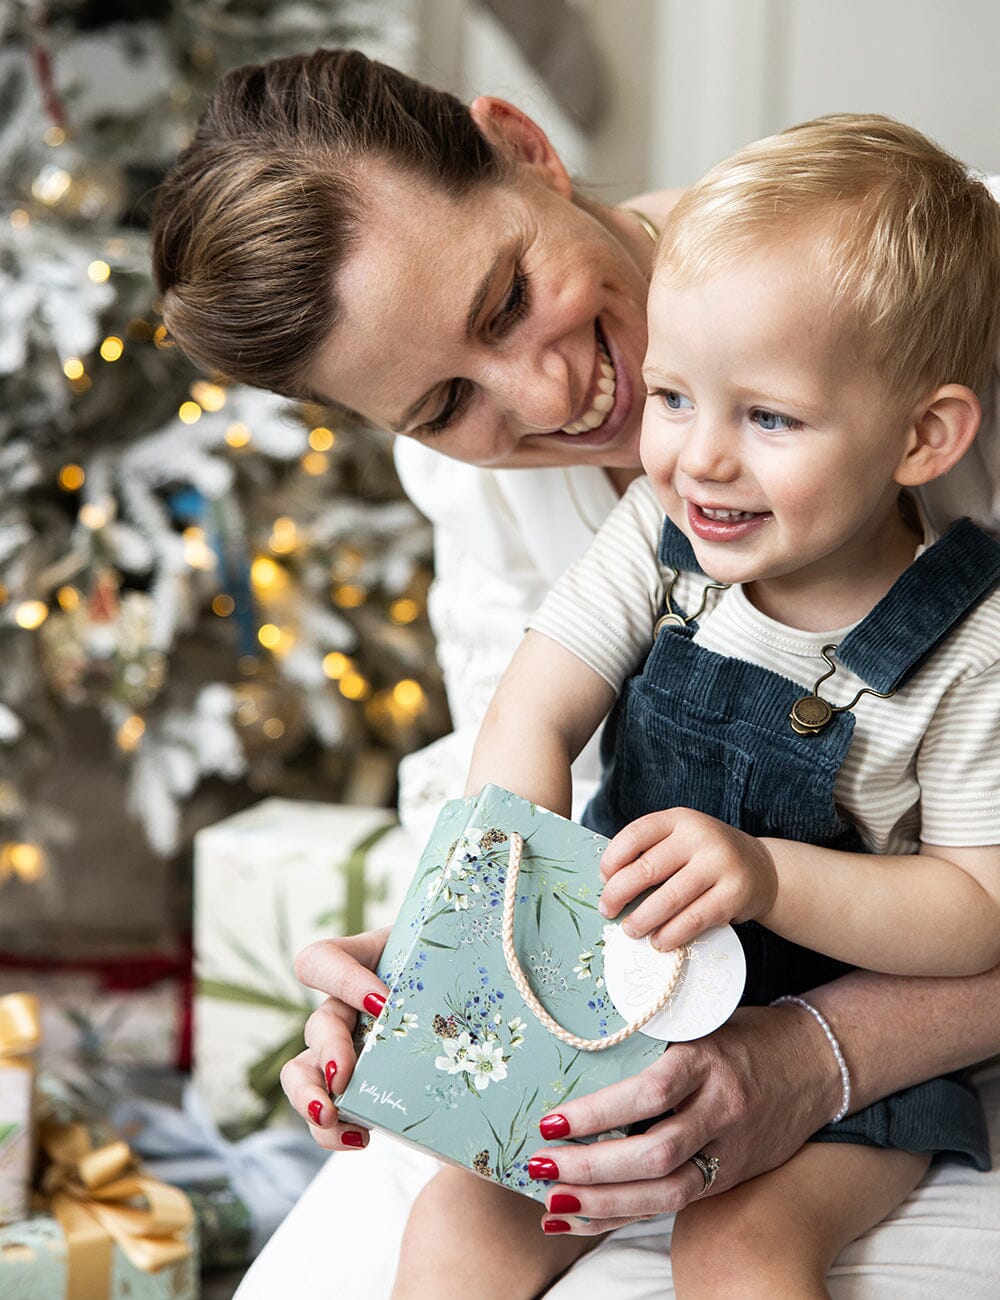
(940, 588)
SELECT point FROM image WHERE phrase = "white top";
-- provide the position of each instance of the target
(923, 765)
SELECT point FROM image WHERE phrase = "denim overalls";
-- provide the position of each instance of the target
(697, 729)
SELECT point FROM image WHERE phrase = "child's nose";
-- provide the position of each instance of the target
(709, 453)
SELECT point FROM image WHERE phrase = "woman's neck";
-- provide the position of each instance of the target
(621, 478)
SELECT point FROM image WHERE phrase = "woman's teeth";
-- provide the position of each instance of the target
(603, 401)
(726, 516)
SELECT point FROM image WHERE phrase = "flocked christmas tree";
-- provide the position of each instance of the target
(233, 585)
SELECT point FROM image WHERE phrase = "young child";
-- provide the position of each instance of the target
(809, 749)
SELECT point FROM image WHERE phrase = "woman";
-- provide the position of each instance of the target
(338, 232)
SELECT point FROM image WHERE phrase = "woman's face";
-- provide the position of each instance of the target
(506, 328)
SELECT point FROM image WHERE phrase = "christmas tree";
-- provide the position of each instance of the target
(219, 583)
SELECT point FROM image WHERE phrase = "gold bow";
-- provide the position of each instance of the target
(20, 1024)
(101, 1201)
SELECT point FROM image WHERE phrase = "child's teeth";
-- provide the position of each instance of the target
(726, 514)
(603, 401)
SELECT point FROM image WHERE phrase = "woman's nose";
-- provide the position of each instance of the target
(534, 389)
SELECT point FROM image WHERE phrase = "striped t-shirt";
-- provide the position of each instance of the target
(922, 766)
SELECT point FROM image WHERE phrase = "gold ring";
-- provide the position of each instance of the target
(709, 1166)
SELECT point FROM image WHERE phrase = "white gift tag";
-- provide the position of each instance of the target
(707, 993)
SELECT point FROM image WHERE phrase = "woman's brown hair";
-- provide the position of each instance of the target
(259, 212)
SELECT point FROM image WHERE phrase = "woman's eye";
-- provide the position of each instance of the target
(772, 422)
(459, 393)
(515, 306)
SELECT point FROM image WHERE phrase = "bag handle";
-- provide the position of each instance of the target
(527, 993)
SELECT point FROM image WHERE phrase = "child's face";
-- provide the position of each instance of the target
(768, 438)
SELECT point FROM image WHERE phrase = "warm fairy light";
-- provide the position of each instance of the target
(315, 463)
(273, 728)
(54, 136)
(267, 576)
(20, 219)
(210, 397)
(93, 516)
(403, 610)
(140, 330)
(223, 605)
(189, 412)
(81, 385)
(4, 594)
(73, 368)
(269, 635)
(130, 733)
(348, 595)
(71, 478)
(161, 337)
(197, 552)
(98, 271)
(284, 535)
(68, 598)
(237, 435)
(31, 614)
(335, 665)
(247, 712)
(50, 185)
(321, 438)
(354, 687)
(409, 695)
(112, 348)
(24, 860)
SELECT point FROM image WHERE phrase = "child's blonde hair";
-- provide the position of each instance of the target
(912, 239)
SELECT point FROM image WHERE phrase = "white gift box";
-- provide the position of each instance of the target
(269, 881)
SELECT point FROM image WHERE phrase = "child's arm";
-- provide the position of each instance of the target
(547, 706)
(932, 913)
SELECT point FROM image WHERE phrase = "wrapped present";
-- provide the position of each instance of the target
(106, 1232)
(20, 1030)
(509, 992)
(240, 1191)
(268, 881)
(114, 1007)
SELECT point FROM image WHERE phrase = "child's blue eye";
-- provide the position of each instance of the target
(673, 400)
(772, 422)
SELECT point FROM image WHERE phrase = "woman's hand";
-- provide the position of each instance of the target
(342, 968)
(751, 1093)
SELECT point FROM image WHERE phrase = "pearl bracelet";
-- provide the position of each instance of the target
(831, 1038)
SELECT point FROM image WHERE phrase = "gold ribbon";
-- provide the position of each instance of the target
(101, 1201)
(20, 1024)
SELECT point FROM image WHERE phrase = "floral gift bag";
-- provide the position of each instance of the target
(510, 993)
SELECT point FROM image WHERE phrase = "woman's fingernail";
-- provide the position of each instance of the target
(315, 1109)
(373, 1003)
(555, 1225)
(564, 1203)
(603, 908)
(553, 1126)
(352, 1138)
(543, 1169)
(330, 1072)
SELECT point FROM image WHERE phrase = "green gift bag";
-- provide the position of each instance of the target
(484, 1033)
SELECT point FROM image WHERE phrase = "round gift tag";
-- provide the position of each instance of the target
(707, 993)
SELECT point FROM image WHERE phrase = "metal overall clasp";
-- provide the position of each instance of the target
(673, 618)
(810, 714)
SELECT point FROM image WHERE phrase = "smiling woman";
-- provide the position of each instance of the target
(338, 231)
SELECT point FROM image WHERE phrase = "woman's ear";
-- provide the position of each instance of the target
(519, 138)
(944, 427)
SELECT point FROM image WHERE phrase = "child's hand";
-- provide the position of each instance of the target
(709, 874)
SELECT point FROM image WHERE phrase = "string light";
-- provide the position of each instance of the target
(71, 478)
(348, 595)
(93, 516)
(189, 413)
(197, 552)
(223, 605)
(237, 435)
(269, 635)
(68, 598)
(20, 219)
(210, 397)
(335, 665)
(130, 733)
(112, 348)
(354, 687)
(284, 535)
(161, 337)
(31, 614)
(404, 610)
(73, 368)
(273, 728)
(267, 576)
(139, 330)
(315, 463)
(54, 136)
(26, 861)
(321, 438)
(51, 184)
(409, 695)
(98, 271)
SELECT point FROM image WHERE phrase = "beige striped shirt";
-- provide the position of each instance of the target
(923, 765)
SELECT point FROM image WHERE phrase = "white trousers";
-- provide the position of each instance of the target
(342, 1238)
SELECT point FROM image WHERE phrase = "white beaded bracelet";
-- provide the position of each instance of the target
(831, 1038)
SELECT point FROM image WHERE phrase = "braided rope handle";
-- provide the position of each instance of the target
(527, 993)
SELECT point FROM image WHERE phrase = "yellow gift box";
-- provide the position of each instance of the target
(20, 1035)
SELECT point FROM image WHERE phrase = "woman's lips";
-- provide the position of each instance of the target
(616, 416)
(603, 397)
(721, 524)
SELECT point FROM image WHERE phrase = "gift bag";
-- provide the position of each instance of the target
(510, 993)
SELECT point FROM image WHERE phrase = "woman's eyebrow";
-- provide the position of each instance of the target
(478, 300)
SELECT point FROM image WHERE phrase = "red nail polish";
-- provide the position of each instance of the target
(315, 1109)
(373, 1003)
(543, 1169)
(555, 1225)
(553, 1126)
(564, 1203)
(331, 1070)
(352, 1138)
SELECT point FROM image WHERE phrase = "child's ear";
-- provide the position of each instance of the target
(520, 138)
(943, 429)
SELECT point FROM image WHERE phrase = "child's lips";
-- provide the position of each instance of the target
(723, 523)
